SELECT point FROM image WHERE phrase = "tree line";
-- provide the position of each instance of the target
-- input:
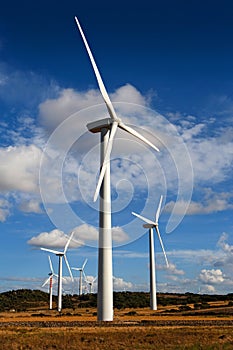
(26, 299)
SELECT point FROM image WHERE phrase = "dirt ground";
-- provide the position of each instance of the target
(146, 329)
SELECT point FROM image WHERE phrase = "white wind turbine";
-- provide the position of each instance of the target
(151, 225)
(61, 255)
(107, 128)
(90, 283)
(81, 273)
(50, 281)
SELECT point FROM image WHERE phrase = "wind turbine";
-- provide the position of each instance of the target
(90, 283)
(151, 225)
(50, 281)
(107, 129)
(61, 255)
(81, 273)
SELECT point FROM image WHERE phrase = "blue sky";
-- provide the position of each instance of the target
(168, 69)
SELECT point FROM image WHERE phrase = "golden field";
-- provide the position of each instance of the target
(131, 329)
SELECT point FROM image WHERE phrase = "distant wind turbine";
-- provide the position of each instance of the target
(50, 281)
(90, 283)
(151, 225)
(81, 273)
(107, 128)
(61, 255)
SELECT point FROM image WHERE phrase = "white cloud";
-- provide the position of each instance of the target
(54, 111)
(207, 288)
(83, 234)
(224, 245)
(226, 260)
(31, 206)
(119, 284)
(53, 239)
(19, 168)
(207, 154)
(211, 276)
(211, 203)
(119, 235)
(136, 168)
(173, 269)
(4, 209)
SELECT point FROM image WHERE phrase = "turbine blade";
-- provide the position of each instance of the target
(102, 88)
(136, 134)
(68, 242)
(84, 264)
(144, 219)
(106, 159)
(51, 251)
(85, 277)
(158, 210)
(51, 265)
(46, 282)
(161, 243)
(68, 266)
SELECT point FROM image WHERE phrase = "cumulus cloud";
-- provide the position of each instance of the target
(174, 270)
(211, 203)
(53, 239)
(224, 245)
(87, 233)
(119, 284)
(208, 289)
(133, 163)
(31, 206)
(4, 209)
(118, 235)
(83, 234)
(211, 276)
(54, 111)
(19, 168)
(226, 259)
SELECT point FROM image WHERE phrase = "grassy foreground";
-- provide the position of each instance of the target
(117, 338)
(142, 330)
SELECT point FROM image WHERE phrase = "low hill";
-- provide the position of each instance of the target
(26, 299)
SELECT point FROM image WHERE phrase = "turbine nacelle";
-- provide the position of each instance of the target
(98, 125)
(149, 225)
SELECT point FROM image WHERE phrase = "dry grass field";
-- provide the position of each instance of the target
(131, 329)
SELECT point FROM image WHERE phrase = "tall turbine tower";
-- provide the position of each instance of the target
(151, 225)
(107, 129)
(61, 255)
(81, 273)
(50, 281)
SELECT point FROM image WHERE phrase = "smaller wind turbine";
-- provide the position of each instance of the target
(81, 273)
(50, 281)
(61, 255)
(151, 225)
(90, 283)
